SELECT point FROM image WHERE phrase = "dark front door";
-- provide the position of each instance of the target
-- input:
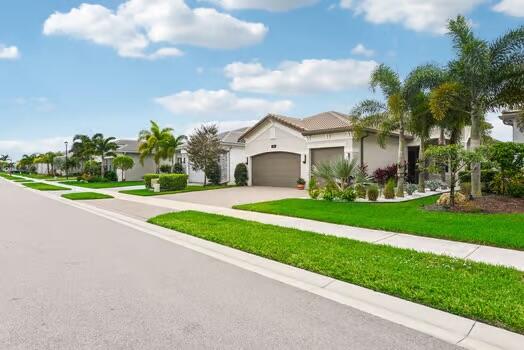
(412, 164)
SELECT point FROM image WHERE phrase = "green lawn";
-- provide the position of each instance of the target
(147, 193)
(44, 187)
(82, 196)
(23, 180)
(500, 230)
(45, 177)
(487, 293)
(10, 177)
(95, 185)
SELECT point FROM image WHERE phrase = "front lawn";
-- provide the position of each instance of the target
(10, 177)
(487, 293)
(82, 196)
(98, 185)
(146, 193)
(44, 187)
(500, 230)
(45, 177)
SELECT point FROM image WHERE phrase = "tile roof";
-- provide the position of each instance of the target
(232, 136)
(127, 146)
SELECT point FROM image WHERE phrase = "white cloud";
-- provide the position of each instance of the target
(222, 125)
(268, 5)
(418, 15)
(292, 77)
(9, 52)
(360, 49)
(513, 8)
(500, 131)
(136, 25)
(15, 148)
(220, 103)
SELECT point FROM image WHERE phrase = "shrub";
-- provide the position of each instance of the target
(92, 168)
(465, 188)
(433, 185)
(486, 178)
(301, 181)
(172, 182)
(444, 200)
(314, 193)
(360, 190)
(383, 175)
(111, 176)
(328, 193)
(241, 176)
(373, 193)
(411, 188)
(213, 173)
(148, 178)
(516, 187)
(347, 195)
(165, 168)
(178, 169)
(313, 189)
(389, 190)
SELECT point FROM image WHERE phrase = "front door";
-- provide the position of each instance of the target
(412, 164)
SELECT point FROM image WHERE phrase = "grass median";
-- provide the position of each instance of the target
(44, 187)
(99, 185)
(499, 230)
(487, 293)
(148, 193)
(83, 196)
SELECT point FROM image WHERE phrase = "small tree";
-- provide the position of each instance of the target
(123, 163)
(213, 173)
(508, 157)
(204, 148)
(456, 158)
(241, 176)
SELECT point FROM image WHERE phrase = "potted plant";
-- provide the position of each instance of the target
(301, 183)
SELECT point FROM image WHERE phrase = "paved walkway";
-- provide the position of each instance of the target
(474, 252)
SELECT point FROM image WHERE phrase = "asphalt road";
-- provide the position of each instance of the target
(70, 279)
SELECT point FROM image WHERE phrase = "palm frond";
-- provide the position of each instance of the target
(386, 79)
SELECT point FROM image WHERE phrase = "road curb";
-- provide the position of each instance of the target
(454, 329)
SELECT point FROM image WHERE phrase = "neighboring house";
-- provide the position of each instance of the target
(130, 148)
(280, 149)
(511, 119)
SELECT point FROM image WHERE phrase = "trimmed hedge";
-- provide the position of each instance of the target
(173, 182)
(148, 178)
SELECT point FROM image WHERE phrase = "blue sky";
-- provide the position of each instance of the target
(111, 66)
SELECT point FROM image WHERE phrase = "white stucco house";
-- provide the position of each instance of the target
(511, 119)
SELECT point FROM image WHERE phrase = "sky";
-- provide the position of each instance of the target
(70, 67)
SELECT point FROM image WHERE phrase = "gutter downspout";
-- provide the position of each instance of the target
(362, 150)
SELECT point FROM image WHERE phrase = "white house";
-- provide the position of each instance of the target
(511, 119)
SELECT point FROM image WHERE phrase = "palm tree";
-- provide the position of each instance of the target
(338, 173)
(103, 147)
(486, 76)
(154, 142)
(82, 148)
(170, 145)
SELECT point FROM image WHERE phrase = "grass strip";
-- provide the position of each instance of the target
(499, 230)
(148, 193)
(44, 187)
(11, 177)
(82, 196)
(98, 185)
(491, 294)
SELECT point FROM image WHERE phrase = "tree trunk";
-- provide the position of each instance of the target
(173, 165)
(422, 167)
(442, 142)
(401, 162)
(48, 171)
(476, 118)
(452, 189)
(102, 167)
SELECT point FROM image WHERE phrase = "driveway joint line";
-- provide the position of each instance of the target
(384, 238)
(469, 332)
(474, 250)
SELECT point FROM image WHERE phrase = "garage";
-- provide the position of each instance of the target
(277, 169)
(319, 155)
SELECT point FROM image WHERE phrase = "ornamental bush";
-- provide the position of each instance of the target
(178, 169)
(360, 190)
(383, 175)
(213, 173)
(411, 188)
(347, 195)
(165, 169)
(373, 193)
(445, 199)
(516, 187)
(241, 176)
(148, 178)
(172, 182)
(389, 190)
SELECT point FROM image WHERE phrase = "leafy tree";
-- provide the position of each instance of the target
(213, 173)
(103, 147)
(170, 145)
(83, 149)
(155, 142)
(405, 109)
(509, 159)
(204, 148)
(485, 76)
(26, 163)
(456, 158)
(123, 163)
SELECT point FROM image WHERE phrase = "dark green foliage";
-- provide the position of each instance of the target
(516, 187)
(486, 177)
(165, 168)
(172, 182)
(241, 175)
(178, 169)
(491, 294)
(389, 189)
(213, 173)
(373, 193)
(148, 178)
(111, 176)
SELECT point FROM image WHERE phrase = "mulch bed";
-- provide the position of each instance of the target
(487, 204)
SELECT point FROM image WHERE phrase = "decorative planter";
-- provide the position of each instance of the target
(301, 187)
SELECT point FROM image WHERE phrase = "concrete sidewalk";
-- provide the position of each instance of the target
(469, 251)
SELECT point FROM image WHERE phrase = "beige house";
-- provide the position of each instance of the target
(511, 119)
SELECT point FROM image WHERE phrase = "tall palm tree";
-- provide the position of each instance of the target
(170, 145)
(83, 148)
(154, 142)
(103, 147)
(486, 76)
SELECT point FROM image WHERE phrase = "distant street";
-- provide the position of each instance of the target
(70, 279)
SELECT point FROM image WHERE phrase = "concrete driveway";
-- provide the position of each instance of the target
(237, 195)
